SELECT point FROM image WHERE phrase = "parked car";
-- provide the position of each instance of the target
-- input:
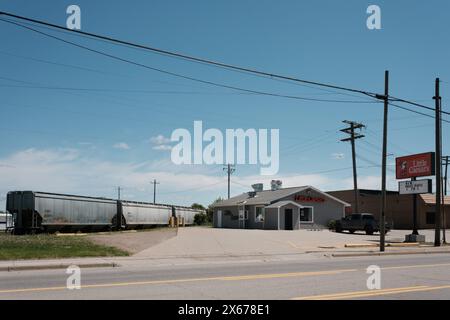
(360, 222)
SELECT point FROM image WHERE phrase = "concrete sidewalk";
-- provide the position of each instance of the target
(196, 245)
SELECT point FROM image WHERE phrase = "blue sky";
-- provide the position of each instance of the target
(108, 129)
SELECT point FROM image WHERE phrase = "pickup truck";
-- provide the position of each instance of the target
(360, 222)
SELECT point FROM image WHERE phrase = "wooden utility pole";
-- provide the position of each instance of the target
(383, 163)
(438, 206)
(353, 136)
(444, 214)
(229, 169)
(154, 182)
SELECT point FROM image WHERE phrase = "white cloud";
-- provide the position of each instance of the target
(71, 171)
(338, 156)
(122, 146)
(161, 143)
(159, 139)
(162, 147)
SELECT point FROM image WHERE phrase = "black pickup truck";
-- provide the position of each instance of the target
(360, 222)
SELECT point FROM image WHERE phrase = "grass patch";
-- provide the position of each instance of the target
(46, 246)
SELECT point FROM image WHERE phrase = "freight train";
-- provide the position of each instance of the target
(50, 212)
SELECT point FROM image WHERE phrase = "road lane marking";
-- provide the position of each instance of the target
(222, 278)
(371, 293)
(417, 266)
(344, 295)
(170, 281)
(286, 275)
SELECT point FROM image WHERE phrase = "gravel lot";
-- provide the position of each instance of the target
(134, 241)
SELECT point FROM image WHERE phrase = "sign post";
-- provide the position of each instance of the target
(413, 166)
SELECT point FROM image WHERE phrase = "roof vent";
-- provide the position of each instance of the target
(258, 187)
(251, 194)
(276, 185)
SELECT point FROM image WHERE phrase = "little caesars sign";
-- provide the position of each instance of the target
(413, 166)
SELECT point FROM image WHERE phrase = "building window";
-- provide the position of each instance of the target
(243, 214)
(259, 214)
(306, 215)
(430, 218)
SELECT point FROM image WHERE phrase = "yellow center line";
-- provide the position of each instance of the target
(286, 275)
(417, 266)
(170, 281)
(370, 293)
(238, 278)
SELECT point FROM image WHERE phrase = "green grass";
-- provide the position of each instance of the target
(46, 246)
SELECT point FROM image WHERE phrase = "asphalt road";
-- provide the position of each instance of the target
(402, 277)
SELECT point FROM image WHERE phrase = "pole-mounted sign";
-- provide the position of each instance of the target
(417, 165)
(415, 187)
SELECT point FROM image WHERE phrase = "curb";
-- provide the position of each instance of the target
(58, 266)
(391, 244)
(369, 254)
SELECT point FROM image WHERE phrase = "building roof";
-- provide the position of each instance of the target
(280, 204)
(365, 191)
(430, 198)
(267, 197)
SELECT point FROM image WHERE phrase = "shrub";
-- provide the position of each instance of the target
(200, 219)
(331, 224)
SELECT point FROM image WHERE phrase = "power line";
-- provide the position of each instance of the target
(217, 84)
(192, 189)
(415, 104)
(186, 57)
(208, 62)
(418, 112)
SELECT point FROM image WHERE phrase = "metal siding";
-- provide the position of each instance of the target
(72, 210)
(145, 214)
(271, 219)
(227, 221)
(187, 214)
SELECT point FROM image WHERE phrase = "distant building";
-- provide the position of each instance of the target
(399, 208)
(279, 209)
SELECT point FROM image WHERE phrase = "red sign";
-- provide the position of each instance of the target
(300, 198)
(417, 165)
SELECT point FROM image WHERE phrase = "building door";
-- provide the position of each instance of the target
(288, 219)
(219, 219)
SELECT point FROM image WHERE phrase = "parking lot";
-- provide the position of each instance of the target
(198, 241)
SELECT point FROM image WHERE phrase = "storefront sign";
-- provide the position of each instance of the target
(300, 198)
(418, 165)
(415, 187)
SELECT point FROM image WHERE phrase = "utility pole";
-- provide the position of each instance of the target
(437, 219)
(229, 168)
(444, 216)
(446, 160)
(118, 192)
(385, 98)
(154, 182)
(353, 136)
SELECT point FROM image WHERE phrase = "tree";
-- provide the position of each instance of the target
(198, 206)
(210, 210)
